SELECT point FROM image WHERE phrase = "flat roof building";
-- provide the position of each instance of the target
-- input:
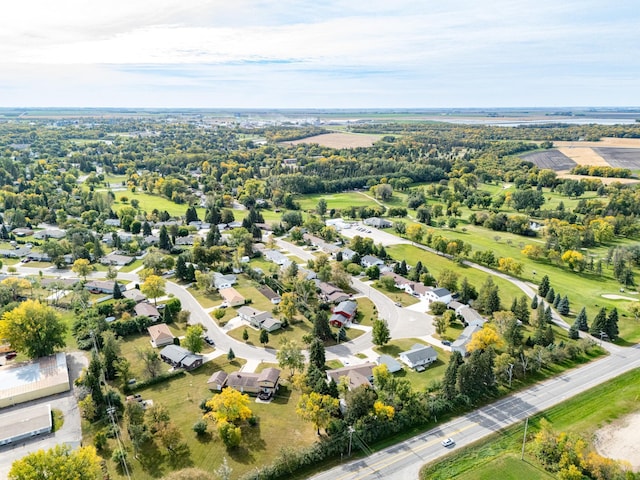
(24, 423)
(35, 379)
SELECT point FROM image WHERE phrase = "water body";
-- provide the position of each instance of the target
(501, 122)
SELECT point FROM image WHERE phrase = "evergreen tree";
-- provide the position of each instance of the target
(213, 237)
(316, 354)
(534, 302)
(191, 273)
(321, 327)
(181, 268)
(146, 229)
(382, 253)
(581, 321)
(231, 356)
(264, 337)
(612, 324)
(548, 315)
(574, 333)
(522, 310)
(117, 293)
(449, 381)
(543, 288)
(563, 306)
(599, 323)
(98, 251)
(488, 299)
(332, 389)
(164, 242)
(467, 291)
(191, 215)
(540, 317)
(514, 305)
(476, 378)
(551, 295)
(245, 335)
(212, 216)
(556, 300)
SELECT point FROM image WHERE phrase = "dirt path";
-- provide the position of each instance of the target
(620, 440)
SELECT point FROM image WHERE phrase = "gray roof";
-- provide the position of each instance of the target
(392, 364)
(419, 353)
(441, 292)
(349, 307)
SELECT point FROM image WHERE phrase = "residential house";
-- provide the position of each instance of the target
(160, 335)
(356, 375)
(277, 257)
(22, 232)
(38, 257)
(18, 252)
(348, 254)
(187, 240)
(135, 295)
(440, 294)
(55, 233)
(391, 363)
(416, 289)
(460, 345)
(101, 286)
(267, 381)
(112, 222)
(259, 319)
(378, 222)
(331, 293)
(218, 380)
(179, 357)
(319, 243)
(223, 281)
(144, 309)
(343, 313)
(116, 259)
(272, 296)
(419, 356)
(231, 297)
(470, 316)
(370, 260)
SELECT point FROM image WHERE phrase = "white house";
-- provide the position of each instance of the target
(460, 345)
(370, 260)
(438, 295)
(419, 356)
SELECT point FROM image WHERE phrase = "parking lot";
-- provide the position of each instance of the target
(378, 236)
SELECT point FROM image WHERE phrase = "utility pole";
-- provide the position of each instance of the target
(524, 438)
(351, 430)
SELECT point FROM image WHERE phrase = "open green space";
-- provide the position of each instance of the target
(367, 311)
(150, 202)
(397, 295)
(182, 397)
(500, 453)
(339, 201)
(132, 266)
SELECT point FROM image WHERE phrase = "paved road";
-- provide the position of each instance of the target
(404, 460)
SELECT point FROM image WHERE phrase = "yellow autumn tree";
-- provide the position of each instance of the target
(485, 338)
(318, 409)
(381, 410)
(229, 406)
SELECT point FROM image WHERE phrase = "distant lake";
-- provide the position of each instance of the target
(516, 122)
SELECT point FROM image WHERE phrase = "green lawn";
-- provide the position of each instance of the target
(397, 295)
(206, 300)
(339, 201)
(499, 454)
(150, 202)
(367, 311)
(419, 380)
(132, 266)
(182, 397)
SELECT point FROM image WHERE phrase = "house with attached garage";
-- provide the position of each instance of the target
(259, 319)
(344, 313)
(356, 375)
(266, 382)
(231, 297)
(419, 356)
(438, 295)
(160, 335)
(370, 260)
(180, 357)
(460, 345)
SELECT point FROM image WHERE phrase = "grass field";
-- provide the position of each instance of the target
(182, 397)
(150, 202)
(339, 201)
(499, 455)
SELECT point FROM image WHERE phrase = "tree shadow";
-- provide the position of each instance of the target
(206, 437)
(180, 457)
(148, 459)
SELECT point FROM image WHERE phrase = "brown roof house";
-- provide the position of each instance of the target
(135, 295)
(218, 380)
(356, 375)
(160, 335)
(231, 297)
(272, 296)
(267, 381)
(147, 310)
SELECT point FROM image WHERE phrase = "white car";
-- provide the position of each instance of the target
(448, 442)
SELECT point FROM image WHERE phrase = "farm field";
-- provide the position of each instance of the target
(583, 415)
(550, 159)
(340, 140)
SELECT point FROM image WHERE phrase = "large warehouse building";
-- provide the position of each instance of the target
(31, 380)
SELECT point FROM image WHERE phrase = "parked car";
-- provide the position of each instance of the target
(448, 442)
(209, 340)
(446, 342)
(10, 355)
(169, 273)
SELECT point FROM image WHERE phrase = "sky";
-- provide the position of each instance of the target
(319, 54)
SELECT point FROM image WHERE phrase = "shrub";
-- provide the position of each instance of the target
(200, 427)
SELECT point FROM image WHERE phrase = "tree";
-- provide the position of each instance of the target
(415, 232)
(164, 242)
(193, 340)
(581, 321)
(543, 288)
(437, 308)
(599, 323)
(57, 463)
(563, 306)
(117, 293)
(154, 287)
(229, 406)
(245, 335)
(264, 337)
(110, 353)
(317, 356)
(287, 306)
(381, 333)
(321, 207)
(488, 300)
(634, 309)
(82, 267)
(318, 409)
(449, 280)
(33, 328)
(321, 327)
(467, 291)
(611, 326)
(16, 285)
(551, 295)
(522, 309)
(485, 338)
(534, 302)
(151, 361)
(290, 355)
